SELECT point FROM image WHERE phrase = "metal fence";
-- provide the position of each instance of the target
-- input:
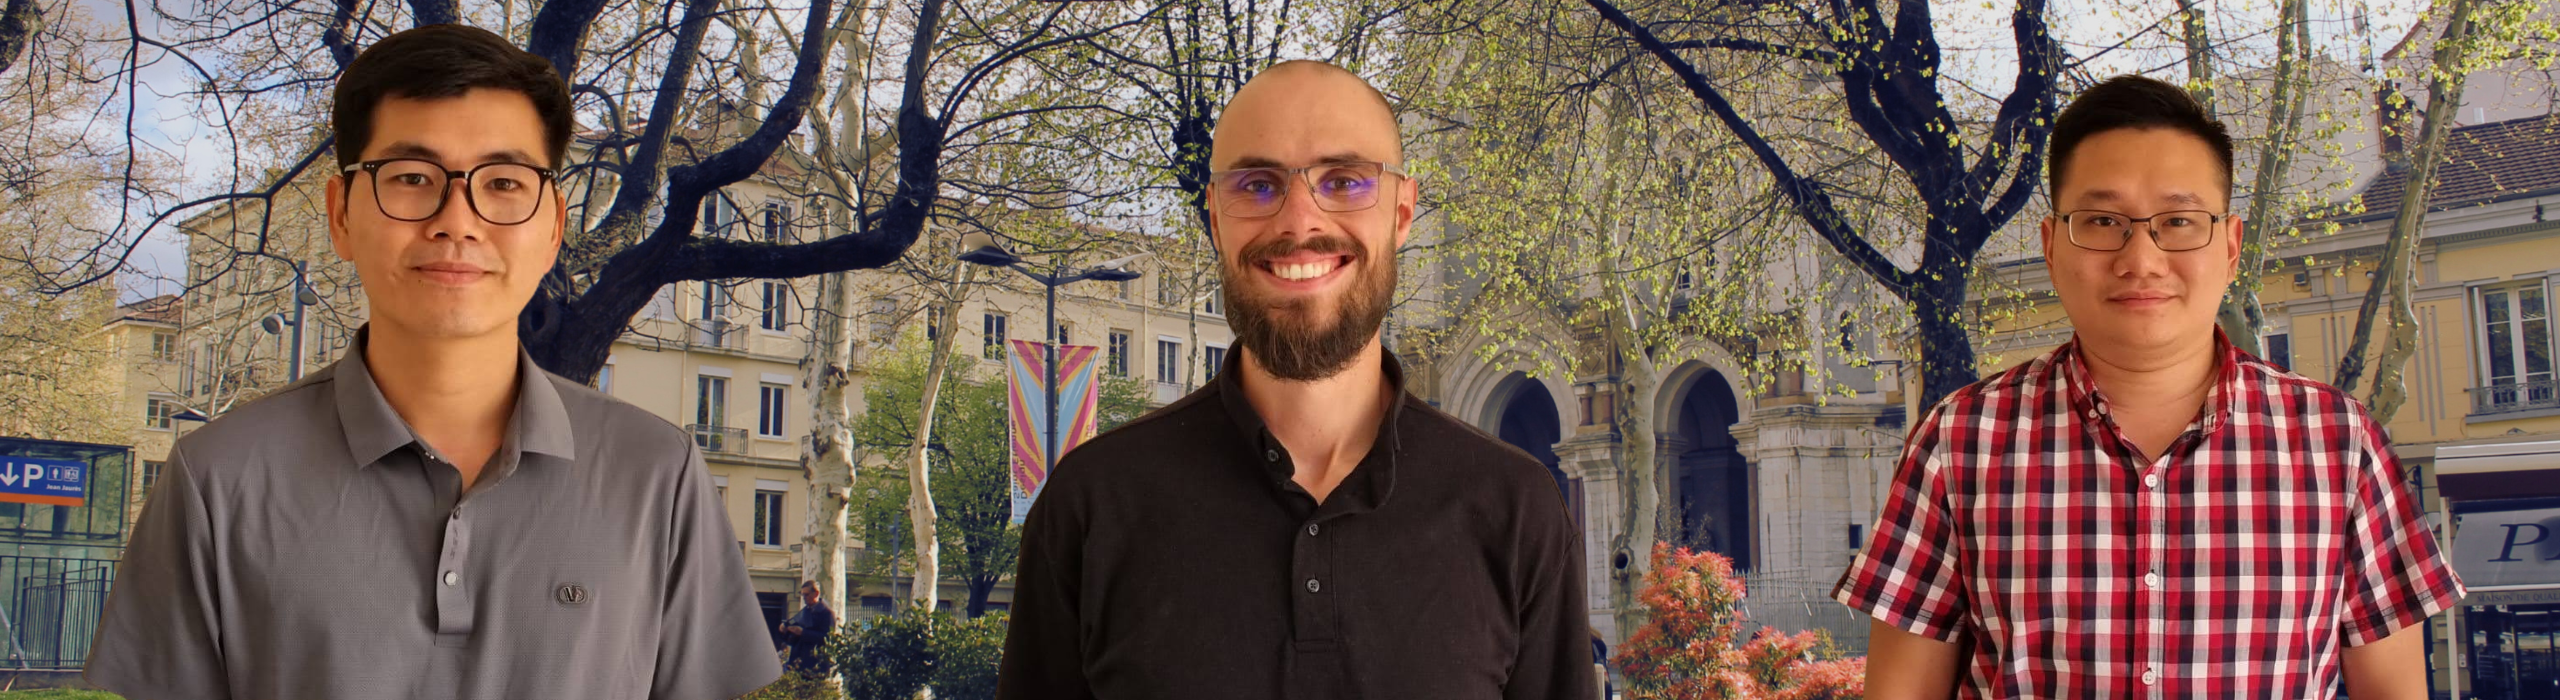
(1796, 600)
(52, 606)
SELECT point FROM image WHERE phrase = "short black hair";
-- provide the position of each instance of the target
(2133, 102)
(439, 61)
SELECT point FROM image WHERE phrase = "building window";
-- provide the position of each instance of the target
(1848, 334)
(771, 306)
(719, 217)
(157, 412)
(2515, 328)
(1216, 357)
(1683, 280)
(2280, 351)
(604, 379)
(777, 220)
(715, 301)
(164, 346)
(769, 409)
(150, 475)
(711, 401)
(1124, 288)
(1119, 353)
(1209, 303)
(991, 345)
(1167, 294)
(1168, 361)
(884, 312)
(768, 518)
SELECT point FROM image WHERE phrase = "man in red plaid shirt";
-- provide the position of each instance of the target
(2146, 512)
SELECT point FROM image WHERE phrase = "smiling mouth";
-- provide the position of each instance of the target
(1301, 271)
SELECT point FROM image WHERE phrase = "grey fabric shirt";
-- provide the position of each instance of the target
(309, 545)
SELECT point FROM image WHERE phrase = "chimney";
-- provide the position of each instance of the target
(2391, 120)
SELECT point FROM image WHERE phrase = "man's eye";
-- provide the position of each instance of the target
(504, 185)
(2178, 222)
(2104, 220)
(409, 180)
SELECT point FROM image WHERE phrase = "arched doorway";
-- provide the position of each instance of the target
(1712, 480)
(1529, 422)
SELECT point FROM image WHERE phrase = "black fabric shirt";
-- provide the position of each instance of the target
(1175, 558)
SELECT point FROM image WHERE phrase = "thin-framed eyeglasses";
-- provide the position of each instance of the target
(415, 189)
(1340, 186)
(2172, 231)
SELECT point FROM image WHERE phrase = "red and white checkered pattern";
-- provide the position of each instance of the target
(2277, 529)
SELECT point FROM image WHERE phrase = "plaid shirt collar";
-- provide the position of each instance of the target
(2233, 373)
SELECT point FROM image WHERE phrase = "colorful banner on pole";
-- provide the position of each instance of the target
(1027, 416)
(57, 482)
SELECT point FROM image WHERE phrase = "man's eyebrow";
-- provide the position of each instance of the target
(1329, 159)
(2186, 198)
(2102, 195)
(406, 149)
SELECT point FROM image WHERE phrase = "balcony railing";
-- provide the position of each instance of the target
(2509, 398)
(720, 332)
(713, 438)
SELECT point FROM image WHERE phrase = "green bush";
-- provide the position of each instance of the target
(791, 686)
(967, 652)
(891, 657)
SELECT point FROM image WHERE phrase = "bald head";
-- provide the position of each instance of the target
(1304, 108)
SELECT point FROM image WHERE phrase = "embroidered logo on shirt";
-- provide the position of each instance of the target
(570, 594)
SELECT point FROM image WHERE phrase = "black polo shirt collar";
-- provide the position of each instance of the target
(1371, 483)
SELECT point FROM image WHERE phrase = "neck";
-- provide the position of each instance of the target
(442, 386)
(2154, 379)
(1321, 419)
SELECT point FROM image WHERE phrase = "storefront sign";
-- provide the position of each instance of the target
(2508, 550)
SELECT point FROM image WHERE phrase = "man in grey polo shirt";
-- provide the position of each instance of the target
(434, 516)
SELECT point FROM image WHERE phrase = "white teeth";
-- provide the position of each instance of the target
(1301, 271)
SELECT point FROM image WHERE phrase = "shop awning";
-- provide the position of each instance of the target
(2524, 469)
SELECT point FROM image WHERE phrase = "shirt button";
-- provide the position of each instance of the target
(452, 578)
(1312, 528)
(1313, 586)
(2151, 579)
(2150, 676)
(1272, 455)
(2151, 480)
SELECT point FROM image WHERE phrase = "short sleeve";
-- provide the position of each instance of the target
(159, 634)
(712, 643)
(2396, 576)
(1907, 576)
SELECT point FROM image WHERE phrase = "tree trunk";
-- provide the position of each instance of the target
(2399, 255)
(827, 461)
(920, 514)
(2399, 270)
(2242, 318)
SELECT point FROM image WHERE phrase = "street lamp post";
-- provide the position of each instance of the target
(986, 252)
(274, 323)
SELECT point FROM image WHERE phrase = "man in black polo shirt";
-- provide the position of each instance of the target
(1301, 527)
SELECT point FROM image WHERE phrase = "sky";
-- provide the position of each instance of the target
(1976, 34)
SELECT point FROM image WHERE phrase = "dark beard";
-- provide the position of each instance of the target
(1293, 350)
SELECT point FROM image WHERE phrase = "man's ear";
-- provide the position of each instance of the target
(2238, 228)
(1407, 198)
(338, 197)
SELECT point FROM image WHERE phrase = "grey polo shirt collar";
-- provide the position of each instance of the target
(540, 424)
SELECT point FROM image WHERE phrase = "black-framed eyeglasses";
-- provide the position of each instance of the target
(414, 189)
(1253, 193)
(2172, 231)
